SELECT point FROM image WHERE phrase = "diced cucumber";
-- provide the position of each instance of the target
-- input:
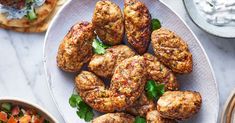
(6, 106)
(31, 15)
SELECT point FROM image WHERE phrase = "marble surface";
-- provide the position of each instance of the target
(22, 73)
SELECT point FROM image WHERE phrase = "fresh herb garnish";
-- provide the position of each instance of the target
(154, 90)
(211, 5)
(156, 24)
(84, 111)
(74, 100)
(139, 119)
(99, 47)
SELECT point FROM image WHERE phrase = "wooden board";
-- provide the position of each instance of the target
(228, 115)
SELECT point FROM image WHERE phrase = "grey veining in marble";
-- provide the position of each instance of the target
(22, 73)
(21, 69)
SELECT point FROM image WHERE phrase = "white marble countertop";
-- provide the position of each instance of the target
(22, 72)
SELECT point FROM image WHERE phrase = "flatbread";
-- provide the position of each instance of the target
(41, 27)
(42, 13)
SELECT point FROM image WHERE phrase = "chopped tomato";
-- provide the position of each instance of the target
(38, 120)
(12, 120)
(3, 116)
(31, 112)
(15, 111)
(25, 119)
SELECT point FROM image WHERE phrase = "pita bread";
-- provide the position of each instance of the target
(41, 27)
(42, 13)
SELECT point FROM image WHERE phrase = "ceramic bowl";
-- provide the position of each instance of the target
(27, 104)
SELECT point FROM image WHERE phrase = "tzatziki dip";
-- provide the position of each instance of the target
(217, 12)
(28, 10)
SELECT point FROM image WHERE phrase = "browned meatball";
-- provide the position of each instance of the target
(129, 78)
(137, 25)
(172, 51)
(76, 47)
(13, 3)
(104, 65)
(141, 106)
(108, 22)
(127, 84)
(159, 73)
(93, 92)
(155, 117)
(114, 118)
(179, 104)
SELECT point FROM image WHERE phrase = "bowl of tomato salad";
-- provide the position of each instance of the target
(13, 110)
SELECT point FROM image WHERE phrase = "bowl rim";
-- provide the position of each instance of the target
(28, 103)
(48, 76)
(227, 108)
(199, 22)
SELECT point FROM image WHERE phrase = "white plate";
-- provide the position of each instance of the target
(221, 31)
(61, 84)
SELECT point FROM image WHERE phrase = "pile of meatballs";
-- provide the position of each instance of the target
(128, 68)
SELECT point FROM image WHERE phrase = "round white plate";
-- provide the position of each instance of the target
(221, 31)
(61, 83)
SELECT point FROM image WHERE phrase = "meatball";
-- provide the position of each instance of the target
(155, 117)
(141, 106)
(159, 73)
(108, 22)
(137, 25)
(93, 92)
(172, 51)
(129, 78)
(127, 84)
(104, 65)
(76, 47)
(13, 3)
(179, 104)
(114, 118)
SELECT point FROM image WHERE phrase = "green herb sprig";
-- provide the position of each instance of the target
(156, 24)
(84, 111)
(154, 90)
(99, 47)
(139, 119)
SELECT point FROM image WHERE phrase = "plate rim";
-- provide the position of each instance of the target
(48, 78)
(187, 5)
(207, 59)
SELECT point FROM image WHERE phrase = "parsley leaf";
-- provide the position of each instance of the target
(99, 47)
(139, 119)
(84, 111)
(89, 116)
(74, 100)
(154, 90)
(156, 24)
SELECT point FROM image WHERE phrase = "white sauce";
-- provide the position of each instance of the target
(217, 12)
(13, 13)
